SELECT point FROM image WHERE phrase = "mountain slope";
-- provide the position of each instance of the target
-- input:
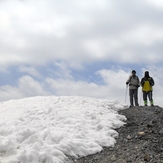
(139, 141)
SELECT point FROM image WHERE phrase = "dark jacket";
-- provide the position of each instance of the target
(147, 83)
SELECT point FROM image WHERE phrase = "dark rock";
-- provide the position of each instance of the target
(147, 158)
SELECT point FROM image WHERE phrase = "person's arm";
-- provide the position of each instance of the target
(152, 82)
(138, 82)
(142, 82)
(129, 79)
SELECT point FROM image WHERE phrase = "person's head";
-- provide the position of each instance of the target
(146, 74)
(133, 72)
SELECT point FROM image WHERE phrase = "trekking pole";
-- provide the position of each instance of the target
(126, 92)
(141, 96)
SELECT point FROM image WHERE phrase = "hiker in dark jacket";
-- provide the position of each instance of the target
(147, 83)
(134, 84)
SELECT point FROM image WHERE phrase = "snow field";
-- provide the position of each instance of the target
(48, 129)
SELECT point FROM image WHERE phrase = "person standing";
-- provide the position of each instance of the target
(147, 83)
(134, 84)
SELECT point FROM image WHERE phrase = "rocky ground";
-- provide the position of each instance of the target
(139, 141)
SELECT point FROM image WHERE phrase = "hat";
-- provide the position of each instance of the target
(133, 71)
(146, 74)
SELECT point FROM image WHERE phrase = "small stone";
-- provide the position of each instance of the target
(141, 133)
(121, 161)
(136, 147)
(154, 140)
(113, 158)
(161, 149)
(129, 137)
(149, 125)
(147, 158)
(161, 132)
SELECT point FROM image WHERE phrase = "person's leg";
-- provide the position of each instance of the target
(136, 97)
(131, 93)
(150, 98)
(145, 97)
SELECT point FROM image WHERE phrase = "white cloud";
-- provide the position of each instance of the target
(158, 4)
(73, 34)
(63, 71)
(71, 87)
(8, 92)
(114, 77)
(27, 87)
(31, 87)
(30, 70)
(81, 31)
(113, 87)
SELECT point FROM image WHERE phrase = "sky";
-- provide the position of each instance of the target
(53, 129)
(79, 48)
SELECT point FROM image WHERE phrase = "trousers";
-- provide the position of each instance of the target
(133, 93)
(149, 95)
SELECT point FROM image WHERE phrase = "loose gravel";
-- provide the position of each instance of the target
(140, 140)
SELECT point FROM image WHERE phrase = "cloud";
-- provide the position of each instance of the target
(113, 77)
(71, 87)
(30, 70)
(157, 4)
(113, 86)
(31, 87)
(26, 87)
(80, 31)
(78, 47)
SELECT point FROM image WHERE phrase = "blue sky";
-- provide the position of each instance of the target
(83, 48)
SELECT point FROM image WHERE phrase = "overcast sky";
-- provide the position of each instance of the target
(79, 47)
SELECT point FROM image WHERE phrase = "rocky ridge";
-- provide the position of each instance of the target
(140, 140)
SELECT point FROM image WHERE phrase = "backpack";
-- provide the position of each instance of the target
(147, 84)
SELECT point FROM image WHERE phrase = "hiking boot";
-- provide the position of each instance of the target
(145, 102)
(131, 106)
(152, 105)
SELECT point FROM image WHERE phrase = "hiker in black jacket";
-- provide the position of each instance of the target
(147, 84)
